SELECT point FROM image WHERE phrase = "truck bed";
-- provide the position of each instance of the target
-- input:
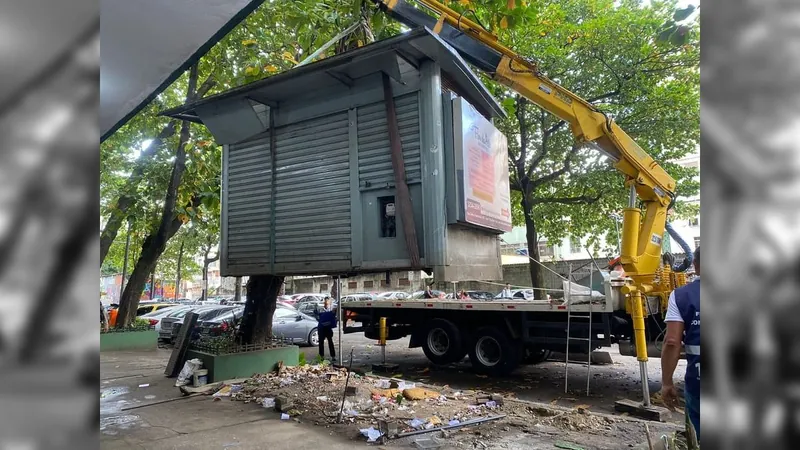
(599, 305)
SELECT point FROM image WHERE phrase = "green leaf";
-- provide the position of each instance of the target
(509, 105)
(684, 13)
(680, 36)
(665, 35)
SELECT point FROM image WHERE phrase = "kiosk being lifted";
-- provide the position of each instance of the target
(309, 185)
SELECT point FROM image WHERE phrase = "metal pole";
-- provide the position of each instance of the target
(178, 275)
(589, 363)
(125, 263)
(619, 242)
(645, 383)
(342, 320)
(568, 293)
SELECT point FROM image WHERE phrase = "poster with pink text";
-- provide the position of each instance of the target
(487, 199)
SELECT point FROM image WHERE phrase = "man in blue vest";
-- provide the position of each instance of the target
(683, 325)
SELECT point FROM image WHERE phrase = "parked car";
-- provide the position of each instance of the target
(399, 295)
(360, 297)
(167, 323)
(148, 307)
(219, 324)
(519, 294)
(295, 297)
(310, 308)
(313, 298)
(421, 294)
(203, 316)
(295, 326)
(155, 317)
(480, 295)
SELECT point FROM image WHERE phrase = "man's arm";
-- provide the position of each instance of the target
(673, 342)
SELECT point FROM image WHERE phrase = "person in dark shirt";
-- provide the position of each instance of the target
(326, 322)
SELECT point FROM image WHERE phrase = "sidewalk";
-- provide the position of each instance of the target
(136, 379)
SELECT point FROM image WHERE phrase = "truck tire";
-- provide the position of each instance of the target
(535, 355)
(442, 342)
(492, 352)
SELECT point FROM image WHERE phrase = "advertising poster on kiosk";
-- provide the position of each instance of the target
(487, 199)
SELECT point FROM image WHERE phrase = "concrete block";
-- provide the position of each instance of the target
(283, 404)
(637, 409)
(497, 398)
(602, 358)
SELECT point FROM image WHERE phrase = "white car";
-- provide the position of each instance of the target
(392, 295)
(156, 316)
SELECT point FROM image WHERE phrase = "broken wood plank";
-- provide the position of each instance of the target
(403, 195)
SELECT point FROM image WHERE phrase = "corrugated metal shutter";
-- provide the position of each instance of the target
(313, 195)
(374, 156)
(248, 202)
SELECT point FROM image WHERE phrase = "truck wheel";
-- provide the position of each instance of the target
(535, 355)
(493, 352)
(442, 343)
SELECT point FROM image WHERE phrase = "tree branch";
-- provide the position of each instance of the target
(604, 96)
(566, 168)
(523, 134)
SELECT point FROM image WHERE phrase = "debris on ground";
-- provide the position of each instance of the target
(380, 408)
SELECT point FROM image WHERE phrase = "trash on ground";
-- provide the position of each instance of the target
(224, 391)
(371, 434)
(268, 403)
(189, 367)
(144, 385)
(284, 416)
(416, 393)
(416, 423)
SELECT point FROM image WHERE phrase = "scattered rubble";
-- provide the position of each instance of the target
(377, 409)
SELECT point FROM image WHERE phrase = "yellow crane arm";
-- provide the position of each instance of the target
(641, 239)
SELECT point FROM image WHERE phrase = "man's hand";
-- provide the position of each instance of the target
(669, 394)
(105, 327)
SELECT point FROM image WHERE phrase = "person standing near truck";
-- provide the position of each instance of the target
(326, 322)
(683, 325)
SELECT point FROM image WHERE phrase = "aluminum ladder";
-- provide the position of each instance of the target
(580, 317)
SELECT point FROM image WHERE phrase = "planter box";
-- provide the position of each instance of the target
(129, 340)
(245, 364)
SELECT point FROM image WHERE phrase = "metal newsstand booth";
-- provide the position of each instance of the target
(329, 207)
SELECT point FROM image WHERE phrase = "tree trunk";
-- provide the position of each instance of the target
(204, 294)
(153, 281)
(125, 263)
(178, 275)
(262, 296)
(532, 236)
(237, 290)
(155, 244)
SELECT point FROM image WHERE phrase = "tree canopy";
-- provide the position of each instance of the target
(638, 63)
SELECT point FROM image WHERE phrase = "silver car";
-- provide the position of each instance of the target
(295, 327)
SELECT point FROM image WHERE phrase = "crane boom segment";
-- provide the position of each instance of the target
(590, 126)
